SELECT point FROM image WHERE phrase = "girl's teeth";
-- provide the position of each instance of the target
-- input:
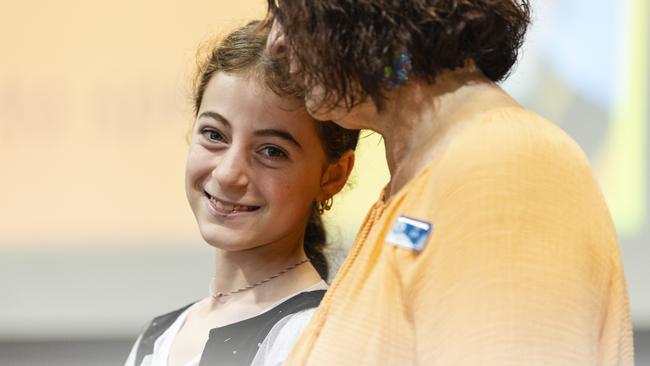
(222, 206)
(228, 208)
(240, 208)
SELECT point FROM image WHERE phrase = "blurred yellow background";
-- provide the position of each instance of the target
(96, 236)
(95, 106)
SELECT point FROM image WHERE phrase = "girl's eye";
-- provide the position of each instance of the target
(273, 152)
(213, 135)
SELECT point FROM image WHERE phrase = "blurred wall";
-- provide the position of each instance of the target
(95, 233)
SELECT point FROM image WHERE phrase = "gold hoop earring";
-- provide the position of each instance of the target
(325, 205)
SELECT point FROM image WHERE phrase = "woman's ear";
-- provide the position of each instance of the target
(335, 176)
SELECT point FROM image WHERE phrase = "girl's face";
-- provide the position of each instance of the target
(255, 166)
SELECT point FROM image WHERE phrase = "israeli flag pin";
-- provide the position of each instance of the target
(409, 233)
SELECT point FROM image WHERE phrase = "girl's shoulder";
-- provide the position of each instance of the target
(154, 329)
(164, 321)
(144, 345)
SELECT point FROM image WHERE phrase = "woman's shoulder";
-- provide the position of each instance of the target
(510, 145)
(514, 184)
(506, 144)
(504, 147)
(511, 165)
(514, 132)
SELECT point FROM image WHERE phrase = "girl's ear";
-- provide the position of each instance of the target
(335, 176)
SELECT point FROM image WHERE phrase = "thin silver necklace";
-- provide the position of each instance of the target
(219, 295)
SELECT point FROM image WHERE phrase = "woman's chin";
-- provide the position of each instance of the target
(361, 116)
(324, 113)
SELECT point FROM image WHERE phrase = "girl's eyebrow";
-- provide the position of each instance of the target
(285, 135)
(216, 116)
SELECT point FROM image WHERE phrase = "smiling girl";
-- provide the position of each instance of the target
(259, 173)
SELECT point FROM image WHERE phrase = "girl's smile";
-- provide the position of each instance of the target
(222, 208)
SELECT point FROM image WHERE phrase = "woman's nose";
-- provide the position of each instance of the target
(276, 45)
(232, 169)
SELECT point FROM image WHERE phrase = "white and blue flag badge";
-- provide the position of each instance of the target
(409, 233)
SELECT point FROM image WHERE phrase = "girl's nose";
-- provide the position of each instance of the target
(232, 169)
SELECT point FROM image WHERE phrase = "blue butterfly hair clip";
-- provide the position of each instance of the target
(397, 73)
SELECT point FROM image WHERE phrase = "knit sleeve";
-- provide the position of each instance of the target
(522, 265)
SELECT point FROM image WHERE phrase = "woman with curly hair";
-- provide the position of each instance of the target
(491, 244)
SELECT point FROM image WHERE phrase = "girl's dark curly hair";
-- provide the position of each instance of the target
(343, 45)
(242, 52)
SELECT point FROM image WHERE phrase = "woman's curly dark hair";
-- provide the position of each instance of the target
(343, 45)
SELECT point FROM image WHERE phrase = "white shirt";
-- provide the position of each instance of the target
(272, 351)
